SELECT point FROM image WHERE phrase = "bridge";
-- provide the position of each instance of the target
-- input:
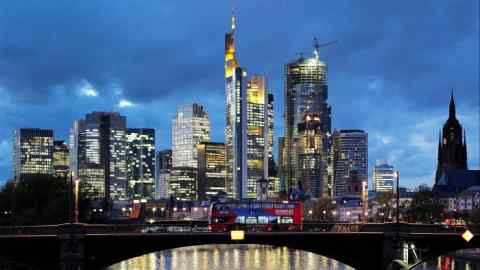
(362, 246)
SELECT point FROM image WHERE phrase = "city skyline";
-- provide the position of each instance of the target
(381, 106)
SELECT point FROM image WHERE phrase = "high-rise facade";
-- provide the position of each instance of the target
(383, 177)
(211, 171)
(141, 163)
(281, 162)
(452, 145)
(246, 130)
(312, 160)
(257, 137)
(99, 154)
(235, 124)
(163, 168)
(61, 168)
(274, 185)
(32, 152)
(190, 127)
(306, 93)
(350, 162)
(182, 183)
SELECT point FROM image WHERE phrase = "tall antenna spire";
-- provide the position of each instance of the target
(234, 19)
(316, 48)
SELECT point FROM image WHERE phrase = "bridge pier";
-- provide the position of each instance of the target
(71, 238)
(393, 252)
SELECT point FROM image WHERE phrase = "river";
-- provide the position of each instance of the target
(250, 257)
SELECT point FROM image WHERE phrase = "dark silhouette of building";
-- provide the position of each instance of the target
(453, 176)
(452, 145)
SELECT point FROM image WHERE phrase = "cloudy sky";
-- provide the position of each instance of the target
(390, 74)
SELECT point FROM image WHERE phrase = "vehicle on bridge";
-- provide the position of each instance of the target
(255, 216)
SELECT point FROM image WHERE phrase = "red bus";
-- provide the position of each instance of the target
(255, 216)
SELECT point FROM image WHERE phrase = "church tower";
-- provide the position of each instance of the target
(452, 145)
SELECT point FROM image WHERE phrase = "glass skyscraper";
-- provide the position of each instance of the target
(141, 163)
(306, 92)
(163, 168)
(32, 152)
(99, 154)
(61, 160)
(383, 177)
(350, 162)
(246, 130)
(211, 169)
(190, 127)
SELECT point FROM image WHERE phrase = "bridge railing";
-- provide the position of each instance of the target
(203, 227)
(30, 230)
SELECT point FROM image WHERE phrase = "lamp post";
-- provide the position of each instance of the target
(398, 196)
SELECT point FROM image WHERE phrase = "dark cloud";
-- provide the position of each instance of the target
(393, 67)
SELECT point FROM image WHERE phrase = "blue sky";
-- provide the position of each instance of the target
(390, 74)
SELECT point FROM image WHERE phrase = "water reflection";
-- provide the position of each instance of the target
(212, 257)
(239, 257)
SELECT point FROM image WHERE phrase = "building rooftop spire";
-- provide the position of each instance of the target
(452, 112)
(234, 18)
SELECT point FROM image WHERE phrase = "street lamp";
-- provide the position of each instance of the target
(310, 213)
(397, 174)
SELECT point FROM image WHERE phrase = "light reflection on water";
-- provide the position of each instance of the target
(238, 257)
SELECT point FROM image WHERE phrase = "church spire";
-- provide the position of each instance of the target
(452, 112)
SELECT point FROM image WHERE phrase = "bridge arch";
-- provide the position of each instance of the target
(358, 251)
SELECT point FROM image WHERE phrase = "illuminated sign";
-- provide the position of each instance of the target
(237, 235)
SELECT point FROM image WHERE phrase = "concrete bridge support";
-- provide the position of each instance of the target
(72, 255)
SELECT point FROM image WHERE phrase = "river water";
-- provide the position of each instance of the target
(253, 257)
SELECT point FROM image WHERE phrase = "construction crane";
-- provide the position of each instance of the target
(317, 46)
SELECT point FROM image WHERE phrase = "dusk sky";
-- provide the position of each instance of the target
(390, 74)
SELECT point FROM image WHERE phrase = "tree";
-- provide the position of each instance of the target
(323, 209)
(425, 207)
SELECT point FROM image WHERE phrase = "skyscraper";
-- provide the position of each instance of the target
(281, 162)
(350, 162)
(61, 167)
(141, 163)
(99, 154)
(274, 185)
(312, 160)
(257, 137)
(235, 120)
(383, 177)
(32, 152)
(190, 127)
(452, 145)
(306, 92)
(246, 130)
(211, 169)
(163, 168)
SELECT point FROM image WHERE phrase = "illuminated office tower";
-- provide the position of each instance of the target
(182, 183)
(190, 127)
(350, 162)
(99, 154)
(32, 152)
(257, 136)
(312, 160)
(383, 177)
(281, 162)
(306, 92)
(141, 163)
(274, 186)
(235, 124)
(61, 167)
(211, 169)
(163, 167)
